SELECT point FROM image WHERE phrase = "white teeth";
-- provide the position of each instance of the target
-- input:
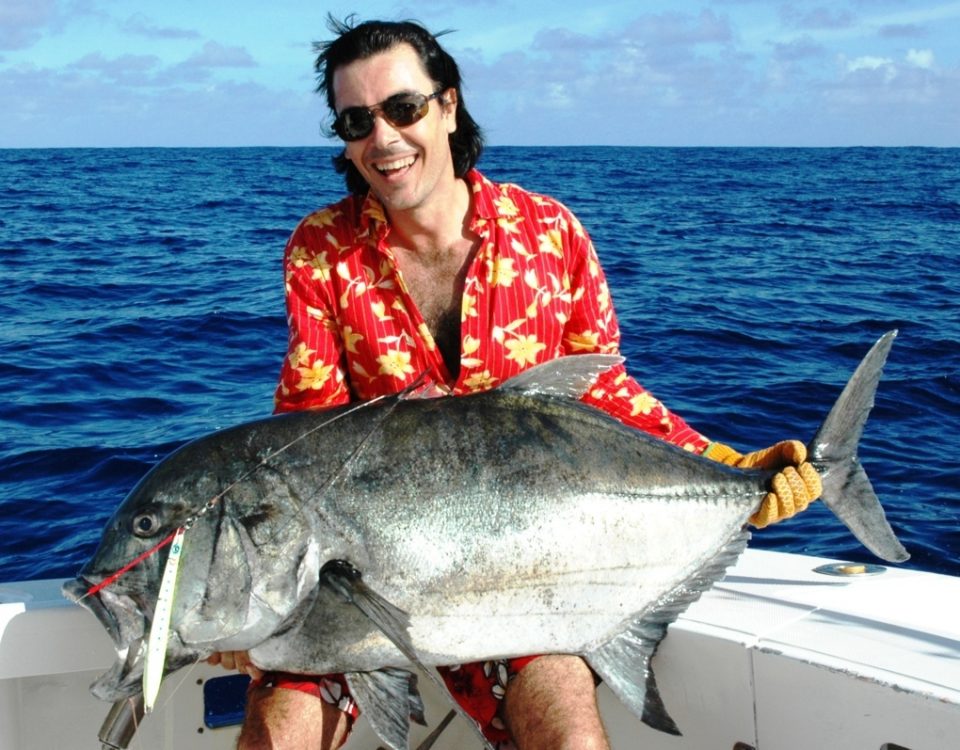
(398, 164)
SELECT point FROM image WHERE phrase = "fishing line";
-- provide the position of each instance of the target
(211, 503)
(355, 454)
(189, 669)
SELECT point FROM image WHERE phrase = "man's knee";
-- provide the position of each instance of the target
(552, 704)
(281, 719)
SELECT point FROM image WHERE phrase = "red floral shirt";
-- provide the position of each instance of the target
(534, 291)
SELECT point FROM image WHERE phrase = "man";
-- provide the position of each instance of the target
(429, 269)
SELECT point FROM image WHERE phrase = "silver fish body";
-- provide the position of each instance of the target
(505, 523)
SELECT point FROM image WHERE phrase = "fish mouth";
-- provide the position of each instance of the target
(125, 623)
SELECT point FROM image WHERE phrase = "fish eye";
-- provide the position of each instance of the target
(145, 524)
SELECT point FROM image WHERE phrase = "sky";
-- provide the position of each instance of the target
(115, 73)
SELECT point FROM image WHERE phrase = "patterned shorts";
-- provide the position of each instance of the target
(479, 688)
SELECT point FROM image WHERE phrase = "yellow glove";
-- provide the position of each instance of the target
(792, 490)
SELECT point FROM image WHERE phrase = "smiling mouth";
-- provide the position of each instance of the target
(396, 166)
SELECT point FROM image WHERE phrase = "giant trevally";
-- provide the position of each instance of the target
(418, 532)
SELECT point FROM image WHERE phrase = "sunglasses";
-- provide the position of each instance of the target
(400, 110)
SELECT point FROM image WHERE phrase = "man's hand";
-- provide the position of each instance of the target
(791, 490)
(238, 660)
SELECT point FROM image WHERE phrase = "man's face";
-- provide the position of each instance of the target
(406, 167)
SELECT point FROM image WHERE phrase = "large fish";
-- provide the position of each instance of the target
(416, 532)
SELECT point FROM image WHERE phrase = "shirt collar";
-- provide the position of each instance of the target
(373, 217)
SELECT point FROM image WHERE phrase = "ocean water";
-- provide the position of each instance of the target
(142, 307)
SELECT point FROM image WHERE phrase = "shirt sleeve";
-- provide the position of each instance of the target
(313, 373)
(593, 328)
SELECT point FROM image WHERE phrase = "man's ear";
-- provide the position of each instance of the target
(449, 102)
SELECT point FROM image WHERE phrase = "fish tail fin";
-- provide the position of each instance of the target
(833, 452)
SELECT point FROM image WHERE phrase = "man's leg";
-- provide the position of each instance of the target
(284, 719)
(552, 705)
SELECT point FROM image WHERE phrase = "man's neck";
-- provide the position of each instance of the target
(437, 225)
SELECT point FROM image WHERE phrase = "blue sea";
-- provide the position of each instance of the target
(142, 307)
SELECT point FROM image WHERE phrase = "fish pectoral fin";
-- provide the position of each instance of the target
(394, 623)
(389, 699)
(624, 664)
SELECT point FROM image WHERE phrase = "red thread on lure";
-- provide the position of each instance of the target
(110, 579)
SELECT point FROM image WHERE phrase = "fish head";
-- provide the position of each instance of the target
(120, 583)
(249, 557)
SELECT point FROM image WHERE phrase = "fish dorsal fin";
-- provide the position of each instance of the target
(566, 377)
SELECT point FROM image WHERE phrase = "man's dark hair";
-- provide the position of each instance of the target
(360, 41)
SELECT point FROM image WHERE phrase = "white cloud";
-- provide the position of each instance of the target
(868, 62)
(921, 58)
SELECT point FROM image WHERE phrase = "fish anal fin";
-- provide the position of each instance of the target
(624, 664)
(623, 661)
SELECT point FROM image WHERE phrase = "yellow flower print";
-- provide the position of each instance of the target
(380, 310)
(358, 369)
(350, 339)
(603, 297)
(551, 242)
(469, 308)
(426, 336)
(524, 349)
(480, 381)
(354, 285)
(299, 255)
(501, 272)
(300, 356)
(470, 346)
(325, 218)
(374, 211)
(395, 363)
(320, 267)
(506, 206)
(587, 341)
(643, 403)
(322, 317)
(578, 227)
(315, 377)
(520, 249)
(509, 226)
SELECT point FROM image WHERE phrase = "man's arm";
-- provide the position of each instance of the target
(313, 374)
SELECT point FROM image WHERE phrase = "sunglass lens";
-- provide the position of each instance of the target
(354, 123)
(405, 110)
